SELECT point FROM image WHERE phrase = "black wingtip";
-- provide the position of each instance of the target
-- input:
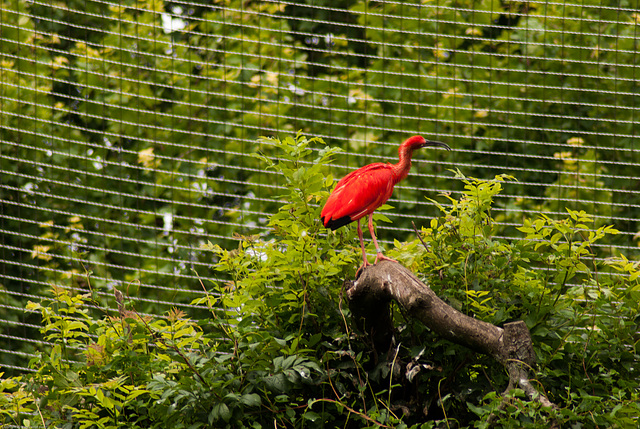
(334, 224)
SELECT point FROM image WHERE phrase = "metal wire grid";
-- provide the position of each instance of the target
(601, 162)
(76, 157)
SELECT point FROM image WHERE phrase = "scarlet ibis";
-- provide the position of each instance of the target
(362, 191)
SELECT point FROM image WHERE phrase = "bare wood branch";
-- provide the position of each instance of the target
(370, 296)
(380, 283)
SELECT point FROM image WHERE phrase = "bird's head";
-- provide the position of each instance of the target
(405, 152)
(417, 142)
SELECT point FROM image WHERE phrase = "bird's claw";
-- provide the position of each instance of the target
(365, 265)
(381, 257)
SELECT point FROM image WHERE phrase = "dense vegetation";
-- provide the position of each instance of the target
(109, 123)
(278, 347)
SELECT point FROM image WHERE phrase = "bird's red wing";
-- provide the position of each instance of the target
(359, 193)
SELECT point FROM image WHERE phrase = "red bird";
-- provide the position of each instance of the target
(362, 191)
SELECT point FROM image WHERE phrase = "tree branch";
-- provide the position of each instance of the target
(370, 296)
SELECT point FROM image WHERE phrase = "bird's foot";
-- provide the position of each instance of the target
(381, 257)
(364, 265)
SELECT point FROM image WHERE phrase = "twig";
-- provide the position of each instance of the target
(342, 404)
(419, 236)
(156, 337)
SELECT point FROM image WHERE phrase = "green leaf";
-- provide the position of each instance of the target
(251, 400)
(479, 411)
(311, 416)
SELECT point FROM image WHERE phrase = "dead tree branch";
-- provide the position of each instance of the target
(371, 294)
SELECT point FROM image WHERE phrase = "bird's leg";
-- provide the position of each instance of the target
(364, 254)
(379, 255)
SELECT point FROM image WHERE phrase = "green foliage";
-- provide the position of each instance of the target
(125, 147)
(582, 315)
(277, 347)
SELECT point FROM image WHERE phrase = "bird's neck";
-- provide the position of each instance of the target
(401, 169)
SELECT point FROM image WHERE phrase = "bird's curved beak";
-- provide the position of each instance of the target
(436, 144)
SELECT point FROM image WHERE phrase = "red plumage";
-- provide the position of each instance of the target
(362, 191)
(358, 194)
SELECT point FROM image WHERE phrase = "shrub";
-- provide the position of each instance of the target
(278, 348)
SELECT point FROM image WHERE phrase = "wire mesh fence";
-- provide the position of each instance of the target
(128, 128)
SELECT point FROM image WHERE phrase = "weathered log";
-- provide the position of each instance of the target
(370, 296)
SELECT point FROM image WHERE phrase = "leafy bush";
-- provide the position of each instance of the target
(278, 349)
(112, 125)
